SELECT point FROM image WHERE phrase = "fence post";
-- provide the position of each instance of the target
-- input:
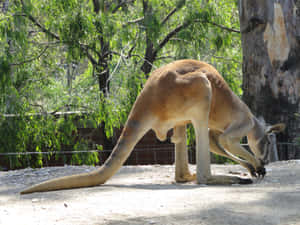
(273, 153)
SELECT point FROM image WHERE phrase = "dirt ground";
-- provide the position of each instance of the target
(147, 195)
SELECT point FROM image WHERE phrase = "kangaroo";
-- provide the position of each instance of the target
(179, 93)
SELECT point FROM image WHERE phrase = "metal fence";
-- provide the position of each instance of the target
(148, 155)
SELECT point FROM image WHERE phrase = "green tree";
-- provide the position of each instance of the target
(94, 56)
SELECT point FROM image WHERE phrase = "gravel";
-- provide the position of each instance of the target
(148, 195)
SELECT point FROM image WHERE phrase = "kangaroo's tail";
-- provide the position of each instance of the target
(133, 131)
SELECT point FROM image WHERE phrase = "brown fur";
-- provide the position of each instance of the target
(182, 92)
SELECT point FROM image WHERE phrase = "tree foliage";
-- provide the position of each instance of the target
(94, 57)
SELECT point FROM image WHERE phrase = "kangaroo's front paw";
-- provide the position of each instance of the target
(251, 170)
(261, 172)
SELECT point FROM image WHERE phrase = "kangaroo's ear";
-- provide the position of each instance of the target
(277, 128)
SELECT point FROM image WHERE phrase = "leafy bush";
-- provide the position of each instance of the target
(40, 133)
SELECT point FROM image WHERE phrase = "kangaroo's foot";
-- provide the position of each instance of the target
(227, 180)
(185, 178)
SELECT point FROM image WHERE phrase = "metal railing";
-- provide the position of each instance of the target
(109, 150)
(285, 151)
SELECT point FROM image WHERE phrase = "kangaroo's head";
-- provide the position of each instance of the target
(261, 139)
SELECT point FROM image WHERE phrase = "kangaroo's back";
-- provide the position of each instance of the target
(224, 103)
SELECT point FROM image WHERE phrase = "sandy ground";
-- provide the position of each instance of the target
(148, 195)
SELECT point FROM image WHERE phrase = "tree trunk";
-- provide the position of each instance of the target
(149, 58)
(270, 33)
(150, 54)
(101, 67)
(102, 73)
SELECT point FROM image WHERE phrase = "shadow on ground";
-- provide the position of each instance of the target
(276, 208)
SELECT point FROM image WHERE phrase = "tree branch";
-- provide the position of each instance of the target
(168, 16)
(170, 35)
(45, 43)
(122, 3)
(30, 60)
(185, 25)
(90, 57)
(135, 55)
(34, 21)
(12, 15)
(218, 25)
(134, 21)
(131, 50)
(69, 105)
(55, 36)
(38, 105)
(224, 28)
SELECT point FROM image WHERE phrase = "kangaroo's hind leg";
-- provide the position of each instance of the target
(182, 173)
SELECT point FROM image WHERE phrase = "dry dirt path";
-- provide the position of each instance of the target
(147, 195)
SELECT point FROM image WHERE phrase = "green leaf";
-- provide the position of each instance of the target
(218, 42)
